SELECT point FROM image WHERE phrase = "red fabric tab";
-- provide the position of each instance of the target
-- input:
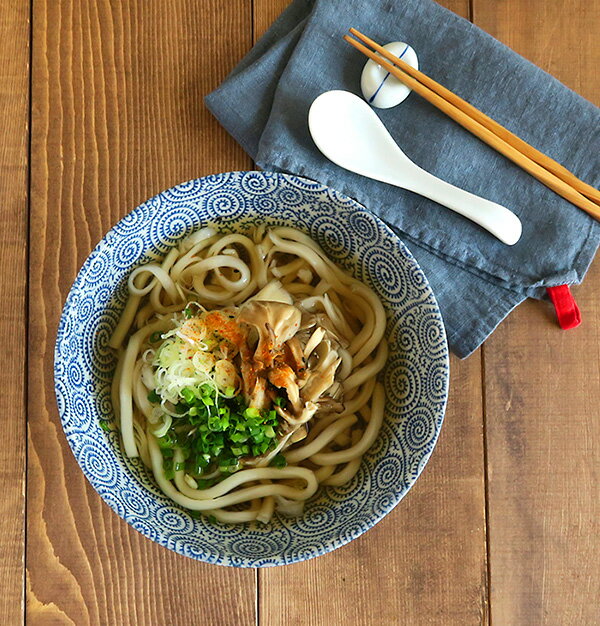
(567, 311)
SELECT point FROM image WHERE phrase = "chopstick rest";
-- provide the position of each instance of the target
(379, 88)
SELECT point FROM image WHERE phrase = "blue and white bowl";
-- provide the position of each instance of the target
(415, 377)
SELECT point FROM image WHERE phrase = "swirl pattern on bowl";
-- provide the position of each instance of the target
(415, 377)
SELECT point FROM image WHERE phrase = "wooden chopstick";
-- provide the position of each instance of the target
(476, 126)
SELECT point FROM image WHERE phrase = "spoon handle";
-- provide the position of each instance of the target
(495, 218)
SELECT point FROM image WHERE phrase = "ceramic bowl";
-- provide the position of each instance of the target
(415, 377)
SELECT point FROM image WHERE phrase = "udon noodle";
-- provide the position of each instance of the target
(247, 372)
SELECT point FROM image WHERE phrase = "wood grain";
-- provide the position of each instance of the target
(266, 11)
(425, 563)
(14, 104)
(117, 116)
(543, 385)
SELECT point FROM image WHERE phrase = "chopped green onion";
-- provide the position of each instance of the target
(215, 424)
(188, 395)
(205, 484)
(259, 449)
(278, 461)
(104, 425)
(168, 469)
(279, 401)
(210, 430)
(154, 397)
(166, 441)
(187, 312)
(154, 337)
(200, 464)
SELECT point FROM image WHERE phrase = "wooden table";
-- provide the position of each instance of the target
(102, 108)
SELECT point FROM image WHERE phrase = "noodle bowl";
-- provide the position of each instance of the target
(247, 372)
(415, 374)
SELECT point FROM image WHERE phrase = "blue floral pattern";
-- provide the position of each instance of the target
(415, 377)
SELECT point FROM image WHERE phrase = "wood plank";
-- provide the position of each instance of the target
(543, 385)
(426, 561)
(14, 103)
(117, 117)
(266, 11)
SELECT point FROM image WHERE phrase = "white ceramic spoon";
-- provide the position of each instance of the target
(349, 133)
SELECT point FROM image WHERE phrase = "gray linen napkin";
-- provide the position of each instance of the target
(476, 279)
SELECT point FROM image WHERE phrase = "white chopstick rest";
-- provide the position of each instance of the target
(379, 88)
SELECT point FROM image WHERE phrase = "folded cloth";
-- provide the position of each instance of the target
(477, 280)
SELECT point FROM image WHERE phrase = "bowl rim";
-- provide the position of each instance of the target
(160, 538)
